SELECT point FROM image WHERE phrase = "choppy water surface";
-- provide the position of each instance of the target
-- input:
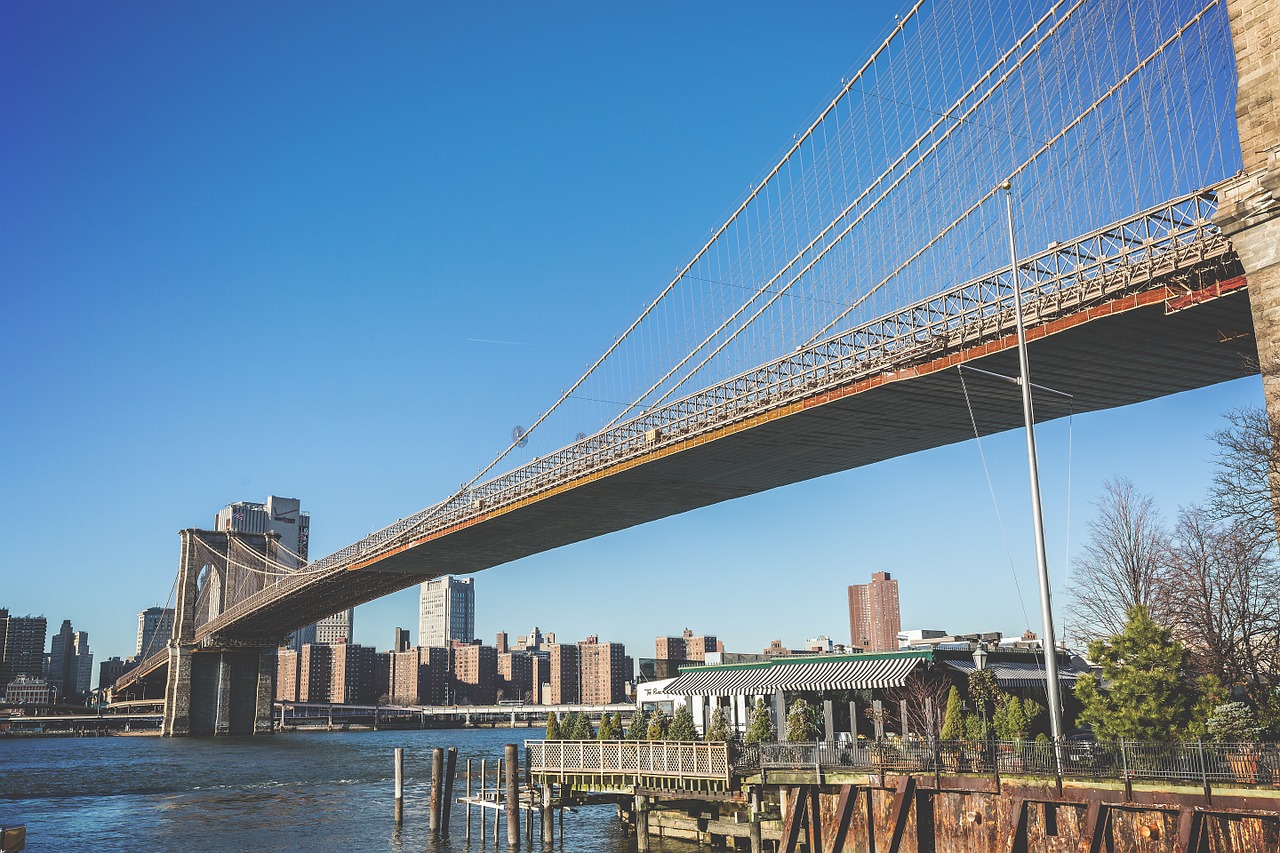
(313, 791)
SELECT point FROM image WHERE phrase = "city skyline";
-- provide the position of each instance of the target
(385, 242)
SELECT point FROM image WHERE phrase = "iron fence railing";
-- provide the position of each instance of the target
(1194, 762)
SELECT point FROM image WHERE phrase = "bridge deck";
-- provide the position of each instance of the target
(1150, 306)
(1122, 352)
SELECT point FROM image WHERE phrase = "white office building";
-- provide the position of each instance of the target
(447, 611)
(155, 628)
(285, 518)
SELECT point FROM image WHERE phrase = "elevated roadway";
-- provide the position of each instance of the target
(1154, 305)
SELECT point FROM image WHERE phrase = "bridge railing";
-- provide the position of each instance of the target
(674, 759)
(1122, 258)
(1185, 762)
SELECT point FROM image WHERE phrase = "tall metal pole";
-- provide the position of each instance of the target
(1028, 414)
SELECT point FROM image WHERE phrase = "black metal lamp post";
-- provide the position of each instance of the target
(980, 663)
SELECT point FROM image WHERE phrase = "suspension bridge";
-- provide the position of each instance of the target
(853, 305)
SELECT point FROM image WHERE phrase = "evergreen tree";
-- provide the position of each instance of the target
(1014, 717)
(606, 731)
(1233, 722)
(719, 726)
(582, 729)
(568, 724)
(639, 729)
(682, 727)
(1148, 697)
(802, 724)
(1007, 722)
(658, 723)
(1031, 711)
(760, 729)
(553, 727)
(953, 723)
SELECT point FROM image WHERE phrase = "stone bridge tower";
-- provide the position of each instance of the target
(1249, 209)
(216, 687)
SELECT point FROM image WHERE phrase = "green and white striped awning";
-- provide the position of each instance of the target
(864, 674)
(818, 673)
(719, 681)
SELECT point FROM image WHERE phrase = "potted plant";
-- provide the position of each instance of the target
(1235, 724)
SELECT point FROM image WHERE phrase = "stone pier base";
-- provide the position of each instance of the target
(219, 693)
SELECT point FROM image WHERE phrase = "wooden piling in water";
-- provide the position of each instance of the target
(450, 770)
(548, 816)
(467, 832)
(437, 777)
(497, 798)
(642, 823)
(512, 760)
(399, 785)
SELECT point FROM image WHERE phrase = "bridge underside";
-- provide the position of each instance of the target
(1125, 351)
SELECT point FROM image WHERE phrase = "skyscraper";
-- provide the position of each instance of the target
(284, 517)
(70, 662)
(21, 646)
(874, 618)
(447, 611)
(155, 628)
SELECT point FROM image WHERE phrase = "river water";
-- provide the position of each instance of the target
(288, 792)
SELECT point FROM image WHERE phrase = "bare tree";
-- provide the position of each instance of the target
(1223, 597)
(926, 697)
(1247, 482)
(1121, 565)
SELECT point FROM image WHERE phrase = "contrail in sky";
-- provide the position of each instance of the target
(492, 341)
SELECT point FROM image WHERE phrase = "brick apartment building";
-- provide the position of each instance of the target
(515, 675)
(874, 618)
(562, 675)
(604, 670)
(475, 674)
(420, 676)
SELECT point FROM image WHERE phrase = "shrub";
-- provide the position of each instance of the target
(658, 723)
(682, 727)
(802, 724)
(639, 729)
(1233, 722)
(582, 728)
(760, 730)
(719, 730)
(953, 723)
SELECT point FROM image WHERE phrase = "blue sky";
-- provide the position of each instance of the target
(268, 248)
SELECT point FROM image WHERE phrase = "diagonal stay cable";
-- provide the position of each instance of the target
(986, 472)
(1117, 86)
(948, 115)
(751, 196)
